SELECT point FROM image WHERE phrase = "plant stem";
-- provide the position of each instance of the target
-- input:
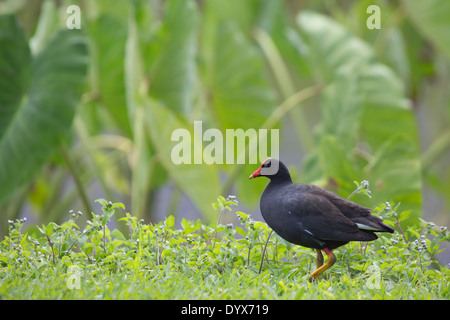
(264, 251)
(104, 238)
(76, 240)
(51, 246)
(89, 259)
(215, 231)
(356, 191)
(401, 230)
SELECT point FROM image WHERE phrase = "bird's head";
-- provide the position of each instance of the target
(268, 168)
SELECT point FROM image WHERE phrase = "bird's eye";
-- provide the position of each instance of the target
(267, 164)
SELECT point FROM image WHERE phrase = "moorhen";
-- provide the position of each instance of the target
(312, 217)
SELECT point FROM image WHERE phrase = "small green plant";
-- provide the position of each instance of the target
(362, 188)
(213, 261)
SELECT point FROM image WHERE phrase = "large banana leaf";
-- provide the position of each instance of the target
(239, 90)
(36, 120)
(160, 85)
(108, 66)
(171, 60)
(14, 69)
(199, 181)
(367, 129)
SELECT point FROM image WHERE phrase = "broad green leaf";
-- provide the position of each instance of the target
(261, 225)
(171, 76)
(336, 162)
(108, 53)
(395, 173)
(170, 221)
(387, 111)
(341, 109)
(241, 96)
(241, 13)
(432, 19)
(241, 231)
(44, 119)
(240, 90)
(215, 13)
(142, 165)
(199, 181)
(14, 69)
(330, 47)
(117, 234)
(364, 113)
(172, 71)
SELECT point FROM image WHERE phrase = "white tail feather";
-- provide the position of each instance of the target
(365, 227)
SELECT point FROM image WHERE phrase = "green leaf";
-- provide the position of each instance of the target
(387, 111)
(241, 231)
(335, 161)
(117, 234)
(367, 130)
(170, 221)
(108, 209)
(172, 69)
(241, 91)
(186, 226)
(68, 225)
(24, 239)
(41, 230)
(109, 49)
(143, 166)
(331, 48)
(404, 215)
(103, 202)
(15, 62)
(167, 253)
(137, 259)
(261, 225)
(395, 173)
(34, 130)
(432, 19)
(199, 181)
(237, 84)
(49, 229)
(341, 109)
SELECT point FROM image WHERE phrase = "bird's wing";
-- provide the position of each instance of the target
(359, 214)
(322, 218)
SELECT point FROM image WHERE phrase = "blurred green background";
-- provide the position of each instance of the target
(89, 113)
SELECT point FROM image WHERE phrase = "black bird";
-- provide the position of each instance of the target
(313, 217)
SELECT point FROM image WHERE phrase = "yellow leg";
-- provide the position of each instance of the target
(330, 261)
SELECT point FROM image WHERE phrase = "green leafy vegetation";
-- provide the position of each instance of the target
(87, 114)
(213, 261)
(51, 82)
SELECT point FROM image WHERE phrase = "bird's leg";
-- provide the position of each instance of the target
(330, 261)
(319, 259)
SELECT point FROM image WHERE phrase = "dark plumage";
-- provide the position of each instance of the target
(311, 216)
